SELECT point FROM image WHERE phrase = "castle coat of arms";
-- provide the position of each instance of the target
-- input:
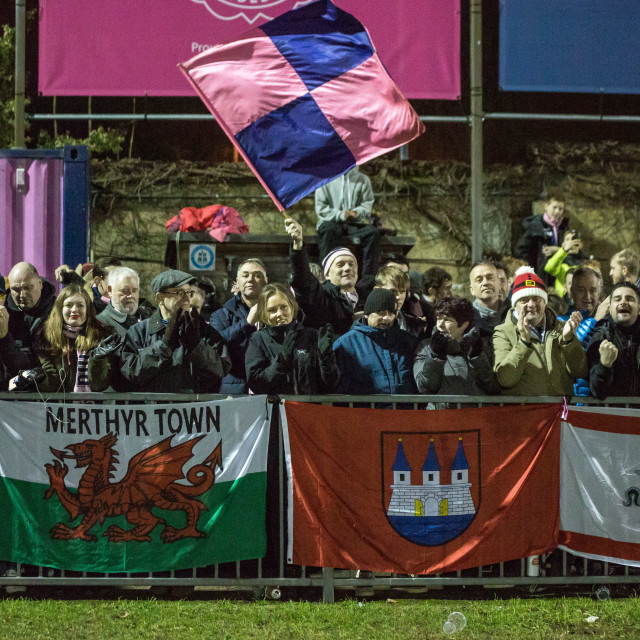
(431, 492)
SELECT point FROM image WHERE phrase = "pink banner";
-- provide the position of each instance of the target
(124, 48)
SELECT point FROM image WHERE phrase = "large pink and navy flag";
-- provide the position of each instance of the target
(304, 98)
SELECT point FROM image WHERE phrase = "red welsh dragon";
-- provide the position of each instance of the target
(150, 482)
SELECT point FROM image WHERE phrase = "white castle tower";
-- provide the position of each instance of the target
(431, 498)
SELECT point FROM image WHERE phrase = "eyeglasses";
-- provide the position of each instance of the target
(181, 293)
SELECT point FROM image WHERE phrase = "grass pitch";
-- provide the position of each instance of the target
(391, 619)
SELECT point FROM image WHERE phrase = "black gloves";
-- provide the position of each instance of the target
(171, 338)
(325, 342)
(189, 333)
(471, 344)
(110, 346)
(440, 344)
(286, 352)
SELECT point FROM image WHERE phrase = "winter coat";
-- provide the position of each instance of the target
(350, 192)
(308, 374)
(375, 361)
(19, 348)
(60, 372)
(151, 366)
(321, 304)
(231, 323)
(545, 368)
(118, 321)
(622, 378)
(457, 375)
(537, 233)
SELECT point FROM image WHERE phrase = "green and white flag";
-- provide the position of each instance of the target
(114, 488)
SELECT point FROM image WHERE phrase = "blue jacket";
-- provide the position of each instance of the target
(231, 323)
(375, 361)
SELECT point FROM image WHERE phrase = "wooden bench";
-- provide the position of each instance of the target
(273, 250)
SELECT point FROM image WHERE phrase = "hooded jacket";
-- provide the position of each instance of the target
(151, 366)
(375, 361)
(350, 192)
(18, 349)
(231, 323)
(622, 378)
(545, 368)
(309, 373)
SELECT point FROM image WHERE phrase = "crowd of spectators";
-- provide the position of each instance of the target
(534, 326)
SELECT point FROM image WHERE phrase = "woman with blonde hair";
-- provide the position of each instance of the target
(284, 356)
(71, 333)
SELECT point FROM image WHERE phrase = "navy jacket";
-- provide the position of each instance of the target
(375, 361)
(231, 323)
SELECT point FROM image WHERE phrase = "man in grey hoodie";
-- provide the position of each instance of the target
(343, 208)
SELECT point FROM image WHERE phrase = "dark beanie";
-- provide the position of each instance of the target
(380, 300)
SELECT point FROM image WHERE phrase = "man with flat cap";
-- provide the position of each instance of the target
(175, 350)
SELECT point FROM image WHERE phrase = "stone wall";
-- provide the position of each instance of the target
(133, 199)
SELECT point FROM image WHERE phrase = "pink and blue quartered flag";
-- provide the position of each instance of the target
(304, 98)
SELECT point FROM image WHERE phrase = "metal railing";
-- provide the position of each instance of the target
(268, 576)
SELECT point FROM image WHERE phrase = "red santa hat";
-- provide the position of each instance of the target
(527, 283)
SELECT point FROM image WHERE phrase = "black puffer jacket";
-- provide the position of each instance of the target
(320, 303)
(19, 348)
(150, 365)
(623, 377)
(309, 373)
(537, 233)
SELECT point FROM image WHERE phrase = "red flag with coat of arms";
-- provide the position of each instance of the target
(420, 491)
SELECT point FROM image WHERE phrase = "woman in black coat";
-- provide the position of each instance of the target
(285, 357)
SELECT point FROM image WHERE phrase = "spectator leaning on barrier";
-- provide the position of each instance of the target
(284, 356)
(453, 361)
(71, 333)
(535, 353)
(175, 350)
(625, 267)
(375, 356)
(235, 321)
(614, 367)
(23, 316)
(333, 302)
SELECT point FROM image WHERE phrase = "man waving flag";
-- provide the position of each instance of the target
(304, 98)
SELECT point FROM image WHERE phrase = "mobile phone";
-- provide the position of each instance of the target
(576, 234)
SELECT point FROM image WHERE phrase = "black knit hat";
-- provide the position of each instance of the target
(380, 300)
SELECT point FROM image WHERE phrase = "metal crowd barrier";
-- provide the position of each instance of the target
(266, 578)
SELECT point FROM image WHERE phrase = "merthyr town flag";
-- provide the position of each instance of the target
(600, 484)
(304, 98)
(113, 488)
(420, 491)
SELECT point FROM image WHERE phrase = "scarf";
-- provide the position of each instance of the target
(554, 226)
(352, 298)
(82, 367)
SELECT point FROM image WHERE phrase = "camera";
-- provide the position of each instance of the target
(575, 233)
(28, 379)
